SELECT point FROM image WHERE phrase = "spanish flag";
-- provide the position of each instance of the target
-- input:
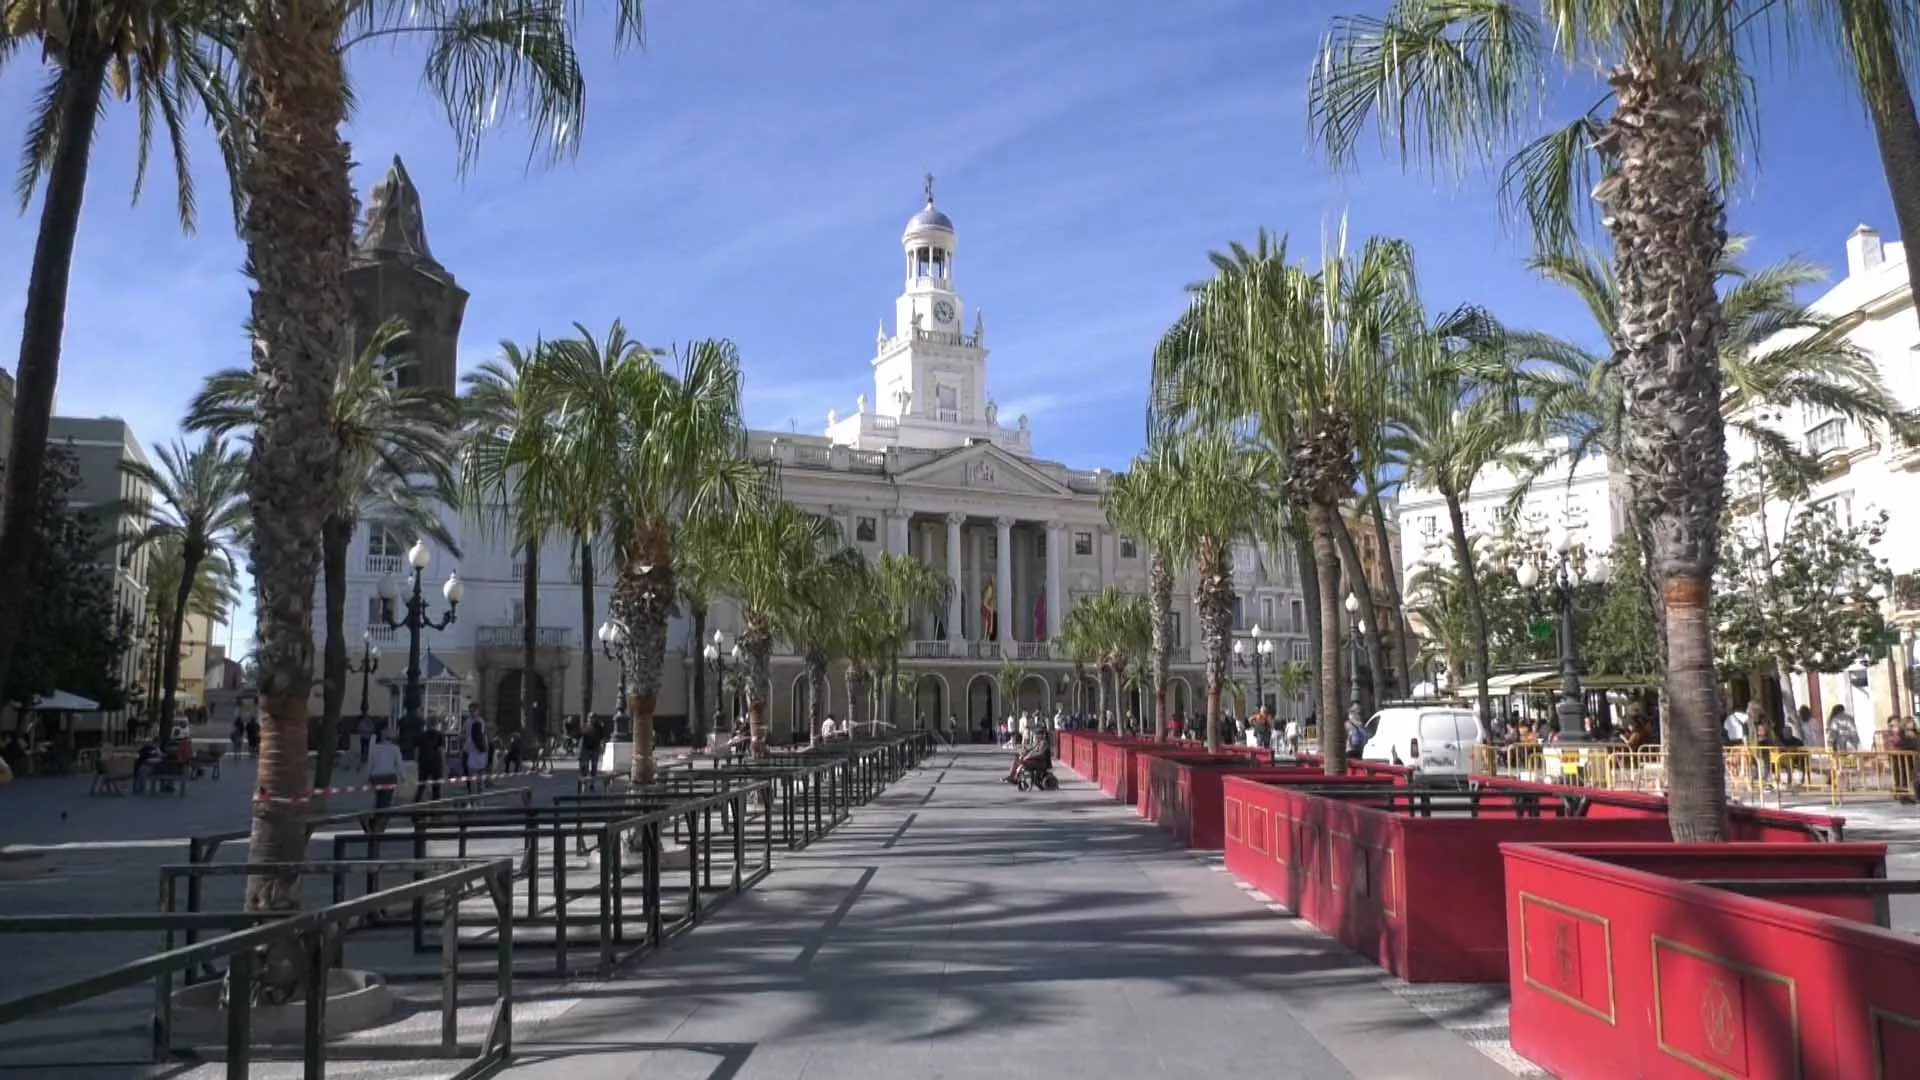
(988, 618)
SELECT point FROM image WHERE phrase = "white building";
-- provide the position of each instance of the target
(1582, 496)
(1866, 472)
(923, 465)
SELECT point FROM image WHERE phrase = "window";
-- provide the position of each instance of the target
(376, 611)
(1429, 525)
(1297, 616)
(1839, 508)
(1127, 548)
(1083, 543)
(517, 613)
(1239, 613)
(865, 530)
(1173, 629)
(1266, 612)
(946, 403)
(386, 548)
(1827, 437)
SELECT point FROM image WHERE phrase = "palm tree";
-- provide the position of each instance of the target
(1120, 629)
(697, 558)
(776, 573)
(586, 363)
(668, 449)
(1457, 81)
(153, 56)
(198, 502)
(1139, 501)
(516, 477)
(815, 623)
(1451, 420)
(906, 585)
(393, 447)
(297, 222)
(211, 594)
(1294, 357)
(1009, 678)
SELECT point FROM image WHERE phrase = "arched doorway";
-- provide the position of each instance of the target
(1033, 696)
(1180, 697)
(799, 717)
(931, 706)
(506, 702)
(982, 706)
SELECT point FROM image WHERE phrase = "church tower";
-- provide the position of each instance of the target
(930, 371)
(394, 275)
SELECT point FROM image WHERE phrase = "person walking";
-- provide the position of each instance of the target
(383, 771)
(431, 760)
(475, 749)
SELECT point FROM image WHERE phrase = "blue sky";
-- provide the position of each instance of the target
(747, 175)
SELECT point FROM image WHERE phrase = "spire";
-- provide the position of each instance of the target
(395, 226)
(929, 189)
(980, 325)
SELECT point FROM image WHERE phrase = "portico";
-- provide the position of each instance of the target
(1008, 597)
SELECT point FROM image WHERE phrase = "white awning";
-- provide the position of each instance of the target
(62, 701)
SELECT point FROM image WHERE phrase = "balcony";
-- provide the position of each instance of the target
(1032, 650)
(923, 650)
(384, 564)
(514, 637)
(1828, 437)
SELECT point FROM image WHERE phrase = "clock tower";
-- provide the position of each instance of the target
(930, 369)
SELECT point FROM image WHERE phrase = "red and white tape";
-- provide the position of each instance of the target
(260, 794)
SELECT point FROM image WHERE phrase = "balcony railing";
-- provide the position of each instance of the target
(383, 564)
(983, 650)
(514, 637)
(925, 649)
(382, 635)
(1033, 650)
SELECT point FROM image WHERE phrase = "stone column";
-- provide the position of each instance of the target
(977, 558)
(1056, 596)
(1003, 583)
(956, 609)
(897, 532)
(928, 617)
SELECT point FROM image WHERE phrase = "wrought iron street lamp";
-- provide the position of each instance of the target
(716, 656)
(614, 646)
(1356, 637)
(413, 622)
(1563, 577)
(369, 663)
(1262, 651)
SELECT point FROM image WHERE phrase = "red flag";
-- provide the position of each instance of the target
(1040, 617)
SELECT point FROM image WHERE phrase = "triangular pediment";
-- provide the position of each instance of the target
(983, 467)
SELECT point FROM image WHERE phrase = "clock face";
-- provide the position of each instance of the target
(942, 312)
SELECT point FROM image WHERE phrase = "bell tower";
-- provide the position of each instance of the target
(394, 275)
(930, 369)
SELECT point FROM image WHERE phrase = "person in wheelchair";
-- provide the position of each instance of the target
(1035, 753)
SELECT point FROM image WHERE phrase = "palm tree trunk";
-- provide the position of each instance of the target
(1378, 678)
(644, 600)
(1160, 589)
(756, 649)
(1896, 133)
(1476, 607)
(1403, 640)
(1313, 599)
(588, 623)
(698, 674)
(529, 633)
(334, 540)
(191, 556)
(41, 333)
(1668, 228)
(298, 228)
(1333, 725)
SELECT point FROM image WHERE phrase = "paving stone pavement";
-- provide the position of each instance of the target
(957, 928)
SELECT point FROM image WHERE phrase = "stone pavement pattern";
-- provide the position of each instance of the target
(957, 928)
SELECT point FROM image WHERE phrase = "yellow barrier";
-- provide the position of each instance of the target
(1752, 772)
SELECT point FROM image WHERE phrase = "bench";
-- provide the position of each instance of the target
(168, 776)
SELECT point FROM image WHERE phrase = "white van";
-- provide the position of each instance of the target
(1437, 739)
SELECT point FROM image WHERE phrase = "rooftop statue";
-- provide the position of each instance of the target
(395, 225)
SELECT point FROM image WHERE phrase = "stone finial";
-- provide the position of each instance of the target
(980, 326)
(833, 417)
(861, 404)
(395, 225)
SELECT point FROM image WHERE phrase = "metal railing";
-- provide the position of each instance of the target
(252, 935)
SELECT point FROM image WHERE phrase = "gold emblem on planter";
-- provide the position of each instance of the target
(1564, 953)
(1716, 1017)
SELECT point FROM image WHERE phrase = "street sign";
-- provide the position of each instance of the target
(1540, 629)
(1884, 637)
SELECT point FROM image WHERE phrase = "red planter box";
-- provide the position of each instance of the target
(1420, 896)
(1147, 798)
(1620, 973)
(1745, 824)
(1404, 773)
(1113, 765)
